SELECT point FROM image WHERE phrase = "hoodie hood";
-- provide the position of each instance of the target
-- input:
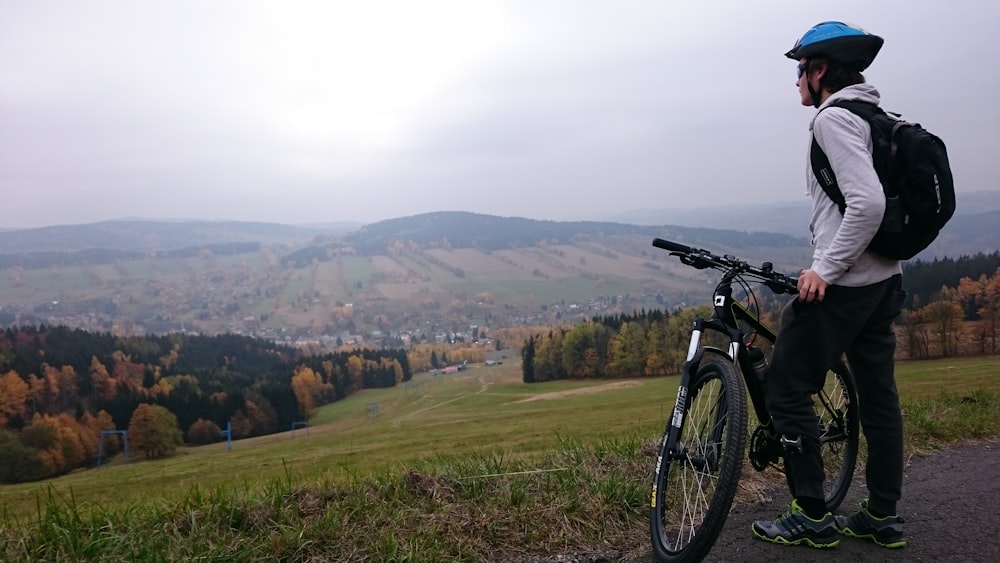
(855, 92)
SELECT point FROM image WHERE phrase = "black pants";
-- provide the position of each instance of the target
(858, 321)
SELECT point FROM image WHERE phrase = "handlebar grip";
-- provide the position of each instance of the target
(672, 246)
(784, 285)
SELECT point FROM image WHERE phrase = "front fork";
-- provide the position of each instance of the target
(687, 374)
(671, 448)
(674, 449)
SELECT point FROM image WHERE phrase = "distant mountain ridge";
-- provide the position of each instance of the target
(975, 227)
(789, 217)
(973, 230)
(472, 230)
(442, 228)
(144, 236)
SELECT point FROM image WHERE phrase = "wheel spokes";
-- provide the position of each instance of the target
(694, 476)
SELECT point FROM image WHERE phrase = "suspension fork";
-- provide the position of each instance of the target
(690, 367)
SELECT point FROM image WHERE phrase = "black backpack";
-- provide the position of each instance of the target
(912, 165)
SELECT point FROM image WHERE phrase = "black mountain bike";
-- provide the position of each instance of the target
(701, 454)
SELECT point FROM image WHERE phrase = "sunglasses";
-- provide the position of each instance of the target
(800, 70)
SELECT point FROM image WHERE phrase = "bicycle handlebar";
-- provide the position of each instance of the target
(701, 259)
(672, 246)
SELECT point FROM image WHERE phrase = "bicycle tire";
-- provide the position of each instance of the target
(693, 492)
(836, 408)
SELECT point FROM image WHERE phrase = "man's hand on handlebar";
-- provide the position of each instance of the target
(811, 286)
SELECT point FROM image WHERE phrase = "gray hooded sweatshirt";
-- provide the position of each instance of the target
(839, 241)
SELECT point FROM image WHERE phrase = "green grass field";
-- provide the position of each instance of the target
(476, 410)
(479, 410)
(582, 440)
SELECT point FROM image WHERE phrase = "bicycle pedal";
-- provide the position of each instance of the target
(790, 444)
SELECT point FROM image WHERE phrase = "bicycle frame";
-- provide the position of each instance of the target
(725, 319)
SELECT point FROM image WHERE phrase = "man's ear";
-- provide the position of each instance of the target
(820, 71)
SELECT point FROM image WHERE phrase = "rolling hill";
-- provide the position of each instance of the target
(432, 273)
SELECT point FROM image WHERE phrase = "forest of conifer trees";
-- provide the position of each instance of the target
(938, 320)
(60, 387)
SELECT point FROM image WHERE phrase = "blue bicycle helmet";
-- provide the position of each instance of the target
(844, 43)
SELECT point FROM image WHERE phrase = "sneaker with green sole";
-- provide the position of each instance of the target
(886, 532)
(795, 528)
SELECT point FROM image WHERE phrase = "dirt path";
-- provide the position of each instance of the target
(949, 505)
(581, 391)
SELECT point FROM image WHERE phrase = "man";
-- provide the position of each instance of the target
(847, 301)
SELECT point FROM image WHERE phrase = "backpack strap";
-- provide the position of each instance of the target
(824, 175)
(821, 163)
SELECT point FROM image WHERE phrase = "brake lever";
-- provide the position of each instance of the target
(697, 262)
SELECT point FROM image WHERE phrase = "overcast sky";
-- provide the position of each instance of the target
(361, 110)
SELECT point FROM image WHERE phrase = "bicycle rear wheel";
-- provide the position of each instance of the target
(836, 408)
(694, 482)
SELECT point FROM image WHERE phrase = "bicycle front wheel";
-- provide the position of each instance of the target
(695, 480)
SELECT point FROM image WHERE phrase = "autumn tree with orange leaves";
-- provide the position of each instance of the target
(310, 391)
(13, 398)
(204, 432)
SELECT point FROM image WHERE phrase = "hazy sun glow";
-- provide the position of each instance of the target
(354, 72)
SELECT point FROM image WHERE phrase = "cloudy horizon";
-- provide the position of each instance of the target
(316, 112)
